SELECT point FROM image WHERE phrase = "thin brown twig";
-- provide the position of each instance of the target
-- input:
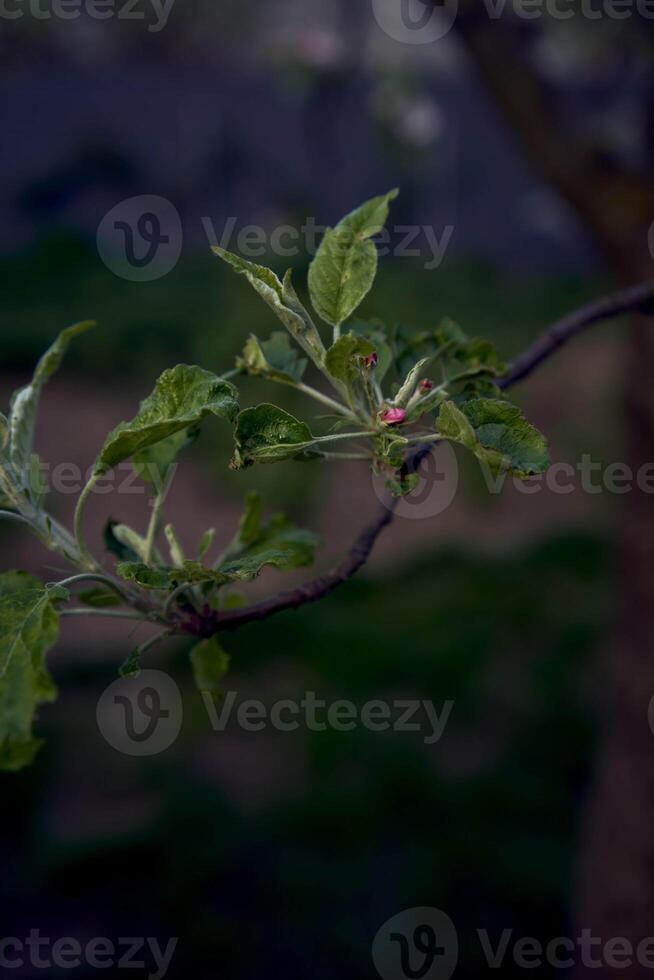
(634, 299)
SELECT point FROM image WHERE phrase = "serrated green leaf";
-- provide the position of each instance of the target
(278, 543)
(25, 404)
(497, 433)
(210, 663)
(292, 546)
(267, 434)
(99, 598)
(341, 358)
(344, 267)
(29, 627)
(144, 575)
(168, 576)
(275, 359)
(153, 463)
(282, 299)
(182, 397)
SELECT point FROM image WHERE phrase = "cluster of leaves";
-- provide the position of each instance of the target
(391, 390)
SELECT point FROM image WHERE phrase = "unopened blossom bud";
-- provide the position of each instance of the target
(371, 360)
(393, 416)
(426, 385)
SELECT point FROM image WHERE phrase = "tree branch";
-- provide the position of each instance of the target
(317, 589)
(633, 300)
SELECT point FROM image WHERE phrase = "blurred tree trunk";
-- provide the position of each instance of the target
(616, 864)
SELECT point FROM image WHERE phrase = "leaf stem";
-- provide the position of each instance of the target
(78, 523)
(366, 456)
(325, 399)
(155, 517)
(335, 436)
(172, 599)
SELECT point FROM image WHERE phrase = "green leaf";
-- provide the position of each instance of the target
(275, 359)
(4, 432)
(99, 598)
(144, 575)
(341, 359)
(267, 434)
(29, 627)
(182, 397)
(250, 525)
(206, 542)
(410, 383)
(25, 404)
(278, 542)
(131, 667)
(404, 485)
(210, 664)
(497, 433)
(174, 546)
(169, 577)
(375, 332)
(131, 541)
(153, 463)
(282, 299)
(345, 265)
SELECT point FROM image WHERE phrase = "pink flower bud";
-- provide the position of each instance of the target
(426, 385)
(371, 360)
(393, 416)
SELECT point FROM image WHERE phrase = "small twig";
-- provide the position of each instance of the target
(635, 299)
(91, 577)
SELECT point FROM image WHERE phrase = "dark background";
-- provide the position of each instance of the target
(281, 854)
